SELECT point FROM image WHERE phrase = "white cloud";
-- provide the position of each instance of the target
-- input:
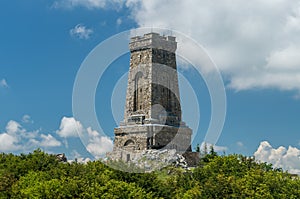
(3, 83)
(49, 141)
(69, 127)
(80, 31)
(14, 127)
(90, 4)
(27, 119)
(286, 59)
(18, 139)
(255, 43)
(285, 158)
(8, 143)
(96, 144)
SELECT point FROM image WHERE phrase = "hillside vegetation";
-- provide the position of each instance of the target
(41, 175)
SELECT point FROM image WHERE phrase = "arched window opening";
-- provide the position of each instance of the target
(137, 101)
(129, 142)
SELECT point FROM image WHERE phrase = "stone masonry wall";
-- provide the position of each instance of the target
(152, 118)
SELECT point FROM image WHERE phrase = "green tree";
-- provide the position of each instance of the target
(40, 175)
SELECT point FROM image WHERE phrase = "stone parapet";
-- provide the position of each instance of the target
(153, 40)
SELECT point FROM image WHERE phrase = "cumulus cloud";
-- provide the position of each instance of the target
(80, 31)
(3, 83)
(69, 127)
(255, 43)
(285, 158)
(49, 141)
(96, 144)
(14, 127)
(17, 138)
(8, 143)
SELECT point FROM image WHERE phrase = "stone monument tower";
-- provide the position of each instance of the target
(152, 118)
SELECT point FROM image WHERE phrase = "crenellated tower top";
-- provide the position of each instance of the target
(153, 40)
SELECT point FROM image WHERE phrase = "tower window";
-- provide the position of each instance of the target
(137, 91)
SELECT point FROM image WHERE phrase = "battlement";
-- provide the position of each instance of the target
(153, 40)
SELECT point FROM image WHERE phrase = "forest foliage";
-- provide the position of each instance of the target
(41, 175)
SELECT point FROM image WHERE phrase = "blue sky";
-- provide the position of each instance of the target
(43, 44)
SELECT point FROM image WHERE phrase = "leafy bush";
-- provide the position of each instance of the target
(40, 175)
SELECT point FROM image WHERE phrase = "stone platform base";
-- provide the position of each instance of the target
(133, 139)
(152, 159)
